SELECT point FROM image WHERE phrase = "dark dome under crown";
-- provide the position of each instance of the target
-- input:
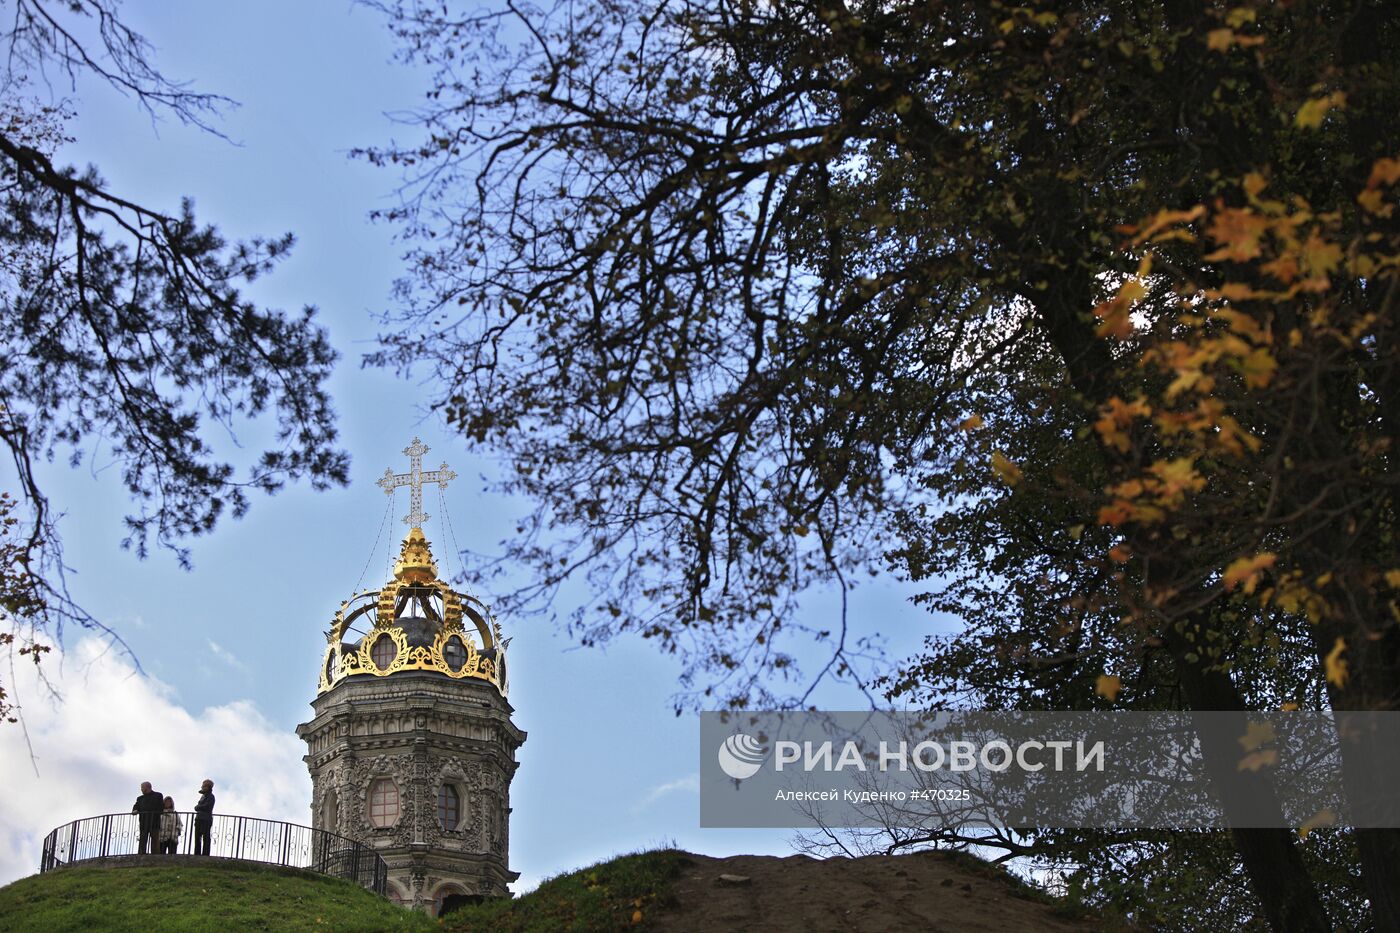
(414, 622)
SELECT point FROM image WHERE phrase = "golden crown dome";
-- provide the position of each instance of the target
(415, 622)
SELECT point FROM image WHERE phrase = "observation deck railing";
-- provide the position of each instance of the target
(234, 837)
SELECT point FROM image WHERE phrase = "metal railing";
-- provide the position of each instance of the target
(240, 837)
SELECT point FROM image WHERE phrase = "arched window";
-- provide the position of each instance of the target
(330, 812)
(449, 807)
(383, 652)
(448, 896)
(454, 653)
(383, 803)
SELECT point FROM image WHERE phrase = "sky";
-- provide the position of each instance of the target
(223, 659)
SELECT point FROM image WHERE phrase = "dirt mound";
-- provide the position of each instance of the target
(926, 892)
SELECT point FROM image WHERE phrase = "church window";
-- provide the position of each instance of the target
(383, 803)
(445, 898)
(330, 813)
(383, 652)
(449, 807)
(454, 653)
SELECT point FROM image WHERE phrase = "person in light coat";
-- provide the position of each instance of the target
(170, 828)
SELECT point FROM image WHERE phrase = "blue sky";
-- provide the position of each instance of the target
(607, 767)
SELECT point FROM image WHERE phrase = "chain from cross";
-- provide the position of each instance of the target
(414, 480)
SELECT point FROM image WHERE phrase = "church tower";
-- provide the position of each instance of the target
(411, 748)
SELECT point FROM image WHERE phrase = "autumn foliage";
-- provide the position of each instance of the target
(1080, 315)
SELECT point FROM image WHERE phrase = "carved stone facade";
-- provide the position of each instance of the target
(422, 732)
(411, 749)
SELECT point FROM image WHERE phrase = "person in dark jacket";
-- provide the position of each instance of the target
(148, 808)
(203, 817)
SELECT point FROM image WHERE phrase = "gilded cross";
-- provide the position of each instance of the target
(414, 480)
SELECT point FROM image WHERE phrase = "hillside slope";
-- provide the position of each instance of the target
(928, 892)
(665, 890)
(190, 897)
(677, 892)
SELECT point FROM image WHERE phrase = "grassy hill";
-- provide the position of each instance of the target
(664, 890)
(196, 898)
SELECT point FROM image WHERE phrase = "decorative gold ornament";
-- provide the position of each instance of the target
(438, 608)
(420, 615)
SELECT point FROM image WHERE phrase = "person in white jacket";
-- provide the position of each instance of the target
(170, 828)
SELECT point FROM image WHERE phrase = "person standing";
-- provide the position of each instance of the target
(148, 808)
(203, 817)
(170, 828)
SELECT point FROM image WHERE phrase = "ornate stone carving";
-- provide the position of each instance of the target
(422, 722)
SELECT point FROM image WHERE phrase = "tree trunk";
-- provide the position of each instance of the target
(1369, 767)
(1271, 857)
(1287, 895)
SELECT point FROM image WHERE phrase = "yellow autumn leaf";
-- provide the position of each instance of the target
(1284, 268)
(1313, 112)
(1319, 256)
(1166, 218)
(1324, 817)
(971, 423)
(1239, 16)
(1371, 200)
(1008, 472)
(1220, 40)
(1258, 368)
(1185, 381)
(1107, 686)
(1256, 735)
(1115, 514)
(1239, 232)
(1128, 489)
(1385, 171)
(636, 917)
(1238, 291)
(1246, 570)
(1392, 577)
(1132, 290)
(1336, 665)
(1178, 476)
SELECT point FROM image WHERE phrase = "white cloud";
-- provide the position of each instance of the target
(114, 728)
(689, 784)
(525, 884)
(228, 657)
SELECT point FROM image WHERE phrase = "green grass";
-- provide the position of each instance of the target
(186, 898)
(606, 896)
(619, 894)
